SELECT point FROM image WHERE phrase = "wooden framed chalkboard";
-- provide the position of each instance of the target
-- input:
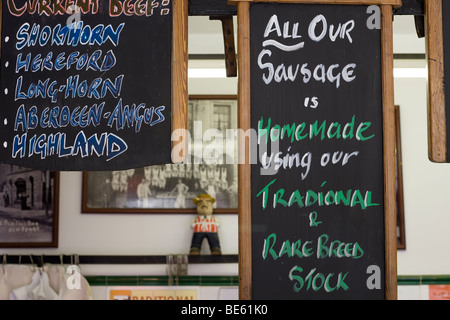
(317, 151)
(436, 12)
(92, 85)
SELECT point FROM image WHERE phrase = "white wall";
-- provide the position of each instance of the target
(426, 184)
(132, 234)
(426, 188)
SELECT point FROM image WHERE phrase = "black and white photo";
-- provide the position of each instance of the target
(210, 167)
(28, 207)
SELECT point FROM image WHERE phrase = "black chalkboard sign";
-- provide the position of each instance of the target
(86, 85)
(317, 187)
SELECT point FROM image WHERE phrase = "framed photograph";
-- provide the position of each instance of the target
(29, 202)
(210, 167)
(401, 242)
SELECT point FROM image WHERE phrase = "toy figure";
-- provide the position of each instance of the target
(205, 225)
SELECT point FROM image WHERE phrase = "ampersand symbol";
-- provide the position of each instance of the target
(313, 218)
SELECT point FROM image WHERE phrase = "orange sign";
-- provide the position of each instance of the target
(439, 292)
(148, 293)
(120, 295)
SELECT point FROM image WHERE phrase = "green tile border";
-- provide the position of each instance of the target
(414, 280)
(163, 280)
(224, 281)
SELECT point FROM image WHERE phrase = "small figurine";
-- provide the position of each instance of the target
(205, 225)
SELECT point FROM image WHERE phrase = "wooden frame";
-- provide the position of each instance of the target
(245, 254)
(401, 242)
(29, 207)
(437, 132)
(163, 197)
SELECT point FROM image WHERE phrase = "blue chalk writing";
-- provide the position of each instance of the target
(57, 117)
(96, 89)
(93, 61)
(128, 116)
(108, 145)
(73, 34)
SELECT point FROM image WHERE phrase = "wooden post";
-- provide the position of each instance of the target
(228, 43)
(390, 218)
(437, 132)
(245, 232)
(180, 79)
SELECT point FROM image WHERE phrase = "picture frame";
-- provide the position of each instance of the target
(210, 167)
(29, 207)
(401, 242)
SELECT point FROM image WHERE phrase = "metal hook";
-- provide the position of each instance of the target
(77, 262)
(4, 262)
(41, 267)
(32, 263)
